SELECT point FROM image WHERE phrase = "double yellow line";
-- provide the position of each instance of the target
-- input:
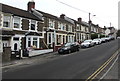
(99, 70)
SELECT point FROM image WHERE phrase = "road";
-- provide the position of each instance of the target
(78, 65)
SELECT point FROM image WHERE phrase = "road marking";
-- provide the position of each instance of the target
(99, 70)
(109, 68)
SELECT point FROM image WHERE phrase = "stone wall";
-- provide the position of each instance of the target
(6, 55)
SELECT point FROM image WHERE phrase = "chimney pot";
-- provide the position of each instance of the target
(62, 16)
(79, 19)
(31, 4)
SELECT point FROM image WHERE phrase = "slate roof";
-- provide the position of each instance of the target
(82, 23)
(18, 12)
(53, 17)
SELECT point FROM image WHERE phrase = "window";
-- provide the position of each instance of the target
(35, 42)
(16, 38)
(29, 42)
(6, 21)
(49, 37)
(51, 23)
(59, 25)
(70, 28)
(64, 26)
(16, 22)
(78, 27)
(33, 25)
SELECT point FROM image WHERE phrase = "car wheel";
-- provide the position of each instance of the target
(69, 51)
(77, 49)
(89, 45)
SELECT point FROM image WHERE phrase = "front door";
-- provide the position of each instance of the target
(16, 44)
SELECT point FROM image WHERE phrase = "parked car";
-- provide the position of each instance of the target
(103, 40)
(87, 43)
(107, 39)
(96, 41)
(69, 47)
(112, 37)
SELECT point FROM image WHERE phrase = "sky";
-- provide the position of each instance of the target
(105, 11)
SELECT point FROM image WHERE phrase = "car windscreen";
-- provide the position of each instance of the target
(95, 39)
(87, 41)
(67, 44)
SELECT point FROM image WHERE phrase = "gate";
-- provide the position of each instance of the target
(16, 55)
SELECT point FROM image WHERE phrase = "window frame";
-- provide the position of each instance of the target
(6, 20)
(34, 22)
(19, 22)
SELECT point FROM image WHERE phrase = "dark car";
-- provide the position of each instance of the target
(69, 47)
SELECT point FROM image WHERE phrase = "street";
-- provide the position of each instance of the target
(78, 65)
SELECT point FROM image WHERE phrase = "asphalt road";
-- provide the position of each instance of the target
(79, 65)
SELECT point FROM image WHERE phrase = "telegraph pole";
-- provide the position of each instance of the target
(89, 26)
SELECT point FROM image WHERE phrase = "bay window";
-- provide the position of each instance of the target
(32, 41)
(35, 42)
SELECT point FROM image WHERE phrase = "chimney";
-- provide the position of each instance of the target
(90, 22)
(31, 4)
(79, 19)
(62, 16)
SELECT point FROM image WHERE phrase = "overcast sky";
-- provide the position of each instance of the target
(106, 11)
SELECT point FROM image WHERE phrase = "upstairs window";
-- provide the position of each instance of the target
(51, 23)
(64, 27)
(33, 25)
(70, 28)
(6, 21)
(59, 25)
(16, 22)
(78, 27)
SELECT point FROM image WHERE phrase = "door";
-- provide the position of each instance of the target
(16, 44)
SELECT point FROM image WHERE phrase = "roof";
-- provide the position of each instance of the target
(53, 17)
(82, 23)
(111, 28)
(18, 12)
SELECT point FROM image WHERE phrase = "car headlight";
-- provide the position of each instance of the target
(66, 48)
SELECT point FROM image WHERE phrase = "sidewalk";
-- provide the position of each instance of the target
(29, 60)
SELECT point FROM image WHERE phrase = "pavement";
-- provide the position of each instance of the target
(29, 60)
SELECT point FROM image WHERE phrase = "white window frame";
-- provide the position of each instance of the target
(51, 24)
(19, 22)
(70, 28)
(33, 22)
(59, 26)
(78, 27)
(31, 37)
(6, 20)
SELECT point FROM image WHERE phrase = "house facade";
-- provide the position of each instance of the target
(19, 29)
(110, 31)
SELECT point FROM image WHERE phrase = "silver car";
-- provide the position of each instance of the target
(96, 41)
(87, 43)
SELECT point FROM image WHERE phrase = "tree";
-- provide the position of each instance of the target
(102, 35)
(118, 33)
(93, 36)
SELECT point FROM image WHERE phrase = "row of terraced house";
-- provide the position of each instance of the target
(25, 28)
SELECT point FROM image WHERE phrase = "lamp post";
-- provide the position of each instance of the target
(90, 24)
